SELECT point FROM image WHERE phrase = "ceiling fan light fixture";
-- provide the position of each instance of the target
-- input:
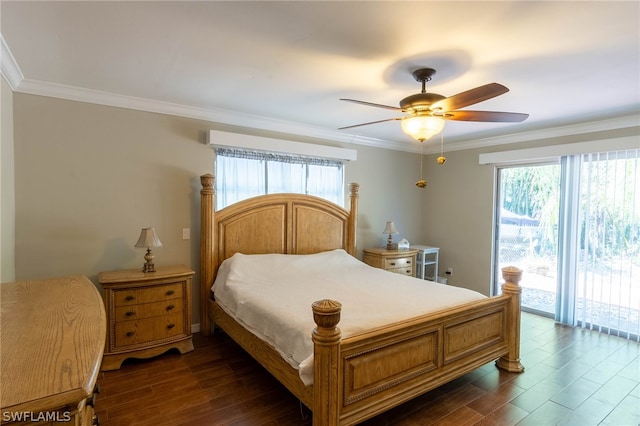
(422, 127)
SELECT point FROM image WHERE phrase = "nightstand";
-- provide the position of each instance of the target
(148, 313)
(398, 261)
(427, 260)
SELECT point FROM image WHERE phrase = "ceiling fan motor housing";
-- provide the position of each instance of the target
(419, 102)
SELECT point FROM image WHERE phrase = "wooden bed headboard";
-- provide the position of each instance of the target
(275, 223)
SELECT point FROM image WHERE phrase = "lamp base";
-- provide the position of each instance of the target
(390, 243)
(148, 265)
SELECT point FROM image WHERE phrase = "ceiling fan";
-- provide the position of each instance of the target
(426, 112)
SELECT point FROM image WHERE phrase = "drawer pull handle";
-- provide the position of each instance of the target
(130, 313)
(129, 298)
(408, 262)
(170, 307)
(130, 333)
(170, 293)
(170, 326)
(393, 263)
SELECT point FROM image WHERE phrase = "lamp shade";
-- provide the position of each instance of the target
(390, 228)
(148, 238)
(422, 127)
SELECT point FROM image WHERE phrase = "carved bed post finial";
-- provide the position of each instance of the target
(353, 218)
(207, 195)
(326, 343)
(511, 287)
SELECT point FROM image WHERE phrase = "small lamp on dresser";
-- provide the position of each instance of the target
(148, 239)
(390, 229)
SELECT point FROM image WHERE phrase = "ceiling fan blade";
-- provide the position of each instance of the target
(470, 97)
(372, 104)
(489, 116)
(371, 122)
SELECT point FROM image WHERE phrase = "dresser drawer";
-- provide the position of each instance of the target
(135, 296)
(398, 262)
(128, 333)
(147, 310)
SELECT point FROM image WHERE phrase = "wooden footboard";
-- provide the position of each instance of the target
(361, 376)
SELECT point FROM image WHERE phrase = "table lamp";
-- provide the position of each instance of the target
(390, 229)
(148, 239)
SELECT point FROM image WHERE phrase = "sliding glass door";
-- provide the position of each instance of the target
(527, 231)
(574, 228)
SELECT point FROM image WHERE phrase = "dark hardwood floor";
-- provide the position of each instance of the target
(572, 377)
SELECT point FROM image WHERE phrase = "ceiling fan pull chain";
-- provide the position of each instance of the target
(442, 158)
(422, 183)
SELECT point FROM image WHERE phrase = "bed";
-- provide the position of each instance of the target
(362, 374)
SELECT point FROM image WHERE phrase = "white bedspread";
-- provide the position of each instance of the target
(271, 295)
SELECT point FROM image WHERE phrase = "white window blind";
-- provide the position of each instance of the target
(608, 288)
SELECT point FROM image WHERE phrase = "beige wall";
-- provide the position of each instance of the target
(7, 188)
(458, 217)
(88, 177)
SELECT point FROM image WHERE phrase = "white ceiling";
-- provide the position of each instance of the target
(283, 66)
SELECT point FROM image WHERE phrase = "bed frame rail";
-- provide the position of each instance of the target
(382, 368)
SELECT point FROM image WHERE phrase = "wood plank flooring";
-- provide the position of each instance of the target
(572, 377)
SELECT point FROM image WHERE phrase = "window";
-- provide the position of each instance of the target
(241, 174)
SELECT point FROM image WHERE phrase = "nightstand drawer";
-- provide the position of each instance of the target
(128, 333)
(399, 262)
(135, 296)
(408, 270)
(147, 310)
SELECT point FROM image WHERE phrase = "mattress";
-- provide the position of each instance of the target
(271, 296)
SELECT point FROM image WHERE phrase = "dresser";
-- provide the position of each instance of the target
(398, 261)
(51, 344)
(148, 313)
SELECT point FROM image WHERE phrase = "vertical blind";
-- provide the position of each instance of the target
(608, 287)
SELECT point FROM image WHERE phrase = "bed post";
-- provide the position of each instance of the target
(511, 287)
(207, 239)
(326, 375)
(353, 219)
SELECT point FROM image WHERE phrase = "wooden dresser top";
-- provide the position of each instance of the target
(52, 335)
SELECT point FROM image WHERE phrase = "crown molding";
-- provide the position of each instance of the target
(613, 123)
(9, 67)
(14, 77)
(245, 120)
(234, 118)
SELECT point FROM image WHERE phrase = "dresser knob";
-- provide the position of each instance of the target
(393, 263)
(130, 333)
(170, 307)
(170, 293)
(130, 313)
(170, 326)
(129, 298)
